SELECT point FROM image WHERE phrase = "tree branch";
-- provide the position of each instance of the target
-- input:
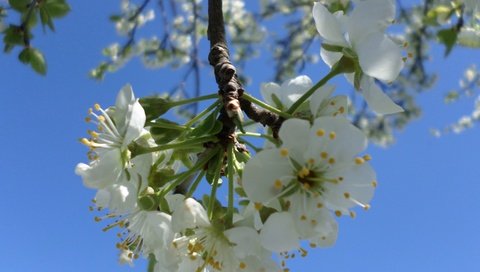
(229, 86)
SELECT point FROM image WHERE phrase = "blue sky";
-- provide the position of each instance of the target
(423, 217)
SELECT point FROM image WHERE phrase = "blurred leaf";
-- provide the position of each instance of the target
(37, 61)
(13, 35)
(57, 8)
(25, 56)
(46, 19)
(19, 5)
(448, 37)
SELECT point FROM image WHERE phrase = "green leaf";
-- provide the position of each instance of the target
(448, 37)
(57, 8)
(19, 5)
(37, 62)
(207, 125)
(25, 56)
(13, 35)
(46, 19)
(32, 19)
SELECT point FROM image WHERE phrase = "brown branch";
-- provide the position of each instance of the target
(229, 86)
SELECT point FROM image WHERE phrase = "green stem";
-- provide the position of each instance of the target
(260, 135)
(193, 100)
(138, 149)
(165, 125)
(213, 193)
(198, 166)
(151, 263)
(266, 106)
(231, 180)
(195, 184)
(203, 113)
(335, 71)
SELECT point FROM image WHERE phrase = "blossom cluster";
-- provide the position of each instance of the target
(146, 170)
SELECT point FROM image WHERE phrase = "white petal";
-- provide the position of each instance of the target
(335, 106)
(319, 97)
(136, 121)
(327, 230)
(261, 172)
(370, 16)
(330, 58)
(340, 139)
(379, 57)
(293, 89)
(327, 25)
(294, 136)
(190, 214)
(267, 90)
(279, 234)
(154, 227)
(377, 99)
(122, 198)
(125, 99)
(358, 181)
(101, 172)
(245, 241)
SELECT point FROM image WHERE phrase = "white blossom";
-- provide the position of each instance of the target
(362, 34)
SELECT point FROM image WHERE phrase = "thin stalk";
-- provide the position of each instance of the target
(203, 113)
(309, 93)
(166, 125)
(265, 106)
(193, 100)
(198, 166)
(231, 180)
(260, 135)
(195, 184)
(213, 193)
(138, 149)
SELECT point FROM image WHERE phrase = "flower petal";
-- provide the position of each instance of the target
(319, 97)
(294, 135)
(377, 99)
(370, 16)
(279, 234)
(330, 58)
(294, 88)
(379, 56)
(261, 172)
(269, 89)
(337, 137)
(101, 172)
(327, 25)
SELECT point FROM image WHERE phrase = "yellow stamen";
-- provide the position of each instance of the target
(338, 213)
(366, 207)
(97, 107)
(320, 132)
(341, 109)
(353, 214)
(283, 152)
(346, 195)
(242, 265)
(374, 184)
(319, 205)
(367, 157)
(303, 172)
(278, 184)
(332, 135)
(324, 155)
(359, 161)
(303, 217)
(331, 160)
(257, 206)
